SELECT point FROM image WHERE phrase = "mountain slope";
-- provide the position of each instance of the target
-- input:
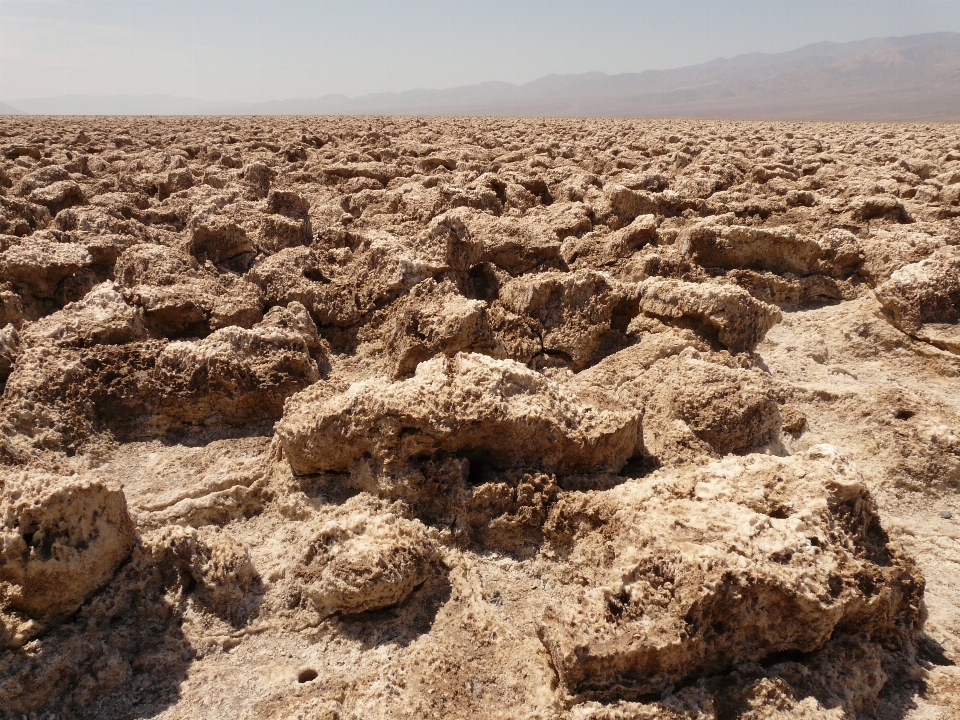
(906, 78)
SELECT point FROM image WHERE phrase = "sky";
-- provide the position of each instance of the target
(259, 50)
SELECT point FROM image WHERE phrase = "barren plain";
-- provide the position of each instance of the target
(479, 418)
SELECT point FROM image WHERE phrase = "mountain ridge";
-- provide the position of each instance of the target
(903, 78)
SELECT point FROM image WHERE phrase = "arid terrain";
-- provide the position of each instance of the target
(356, 418)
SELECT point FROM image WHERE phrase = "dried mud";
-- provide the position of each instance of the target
(478, 418)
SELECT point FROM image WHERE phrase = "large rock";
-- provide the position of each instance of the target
(694, 404)
(574, 312)
(63, 396)
(697, 408)
(18, 217)
(434, 319)
(287, 223)
(725, 313)
(103, 316)
(513, 244)
(38, 264)
(890, 248)
(836, 253)
(236, 375)
(923, 298)
(682, 575)
(57, 196)
(368, 558)
(623, 205)
(41, 177)
(62, 540)
(495, 411)
(179, 298)
(219, 239)
(341, 280)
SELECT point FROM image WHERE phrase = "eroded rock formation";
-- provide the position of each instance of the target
(394, 417)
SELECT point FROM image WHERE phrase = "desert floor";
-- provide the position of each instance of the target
(317, 417)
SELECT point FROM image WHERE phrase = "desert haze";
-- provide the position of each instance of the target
(908, 78)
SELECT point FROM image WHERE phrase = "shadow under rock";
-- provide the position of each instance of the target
(332, 488)
(124, 654)
(100, 667)
(932, 652)
(834, 676)
(403, 623)
(198, 437)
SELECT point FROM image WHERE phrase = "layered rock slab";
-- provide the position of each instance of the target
(836, 253)
(728, 313)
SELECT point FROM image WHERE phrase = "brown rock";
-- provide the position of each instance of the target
(495, 409)
(63, 538)
(39, 264)
(923, 298)
(58, 195)
(364, 560)
(746, 558)
(724, 313)
(434, 319)
(835, 253)
(574, 312)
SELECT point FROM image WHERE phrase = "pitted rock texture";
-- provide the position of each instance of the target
(923, 298)
(732, 314)
(365, 561)
(497, 410)
(475, 418)
(742, 558)
(63, 538)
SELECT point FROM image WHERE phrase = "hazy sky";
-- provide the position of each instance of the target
(253, 50)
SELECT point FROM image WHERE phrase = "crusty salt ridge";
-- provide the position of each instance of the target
(470, 418)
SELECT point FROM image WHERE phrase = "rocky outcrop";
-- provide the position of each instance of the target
(923, 298)
(434, 319)
(38, 265)
(365, 560)
(64, 391)
(179, 298)
(697, 409)
(726, 314)
(508, 243)
(464, 417)
(572, 313)
(780, 250)
(102, 317)
(743, 559)
(63, 539)
(496, 411)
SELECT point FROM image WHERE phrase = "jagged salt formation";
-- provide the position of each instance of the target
(394, 417)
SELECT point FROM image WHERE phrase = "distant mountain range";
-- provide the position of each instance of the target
(905, 78)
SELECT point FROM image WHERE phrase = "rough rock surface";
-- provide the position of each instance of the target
(743, 558)
(469, 418)
(496, 410)
(923, 298)
(732, 314)
(63, 538)
(364, 561)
